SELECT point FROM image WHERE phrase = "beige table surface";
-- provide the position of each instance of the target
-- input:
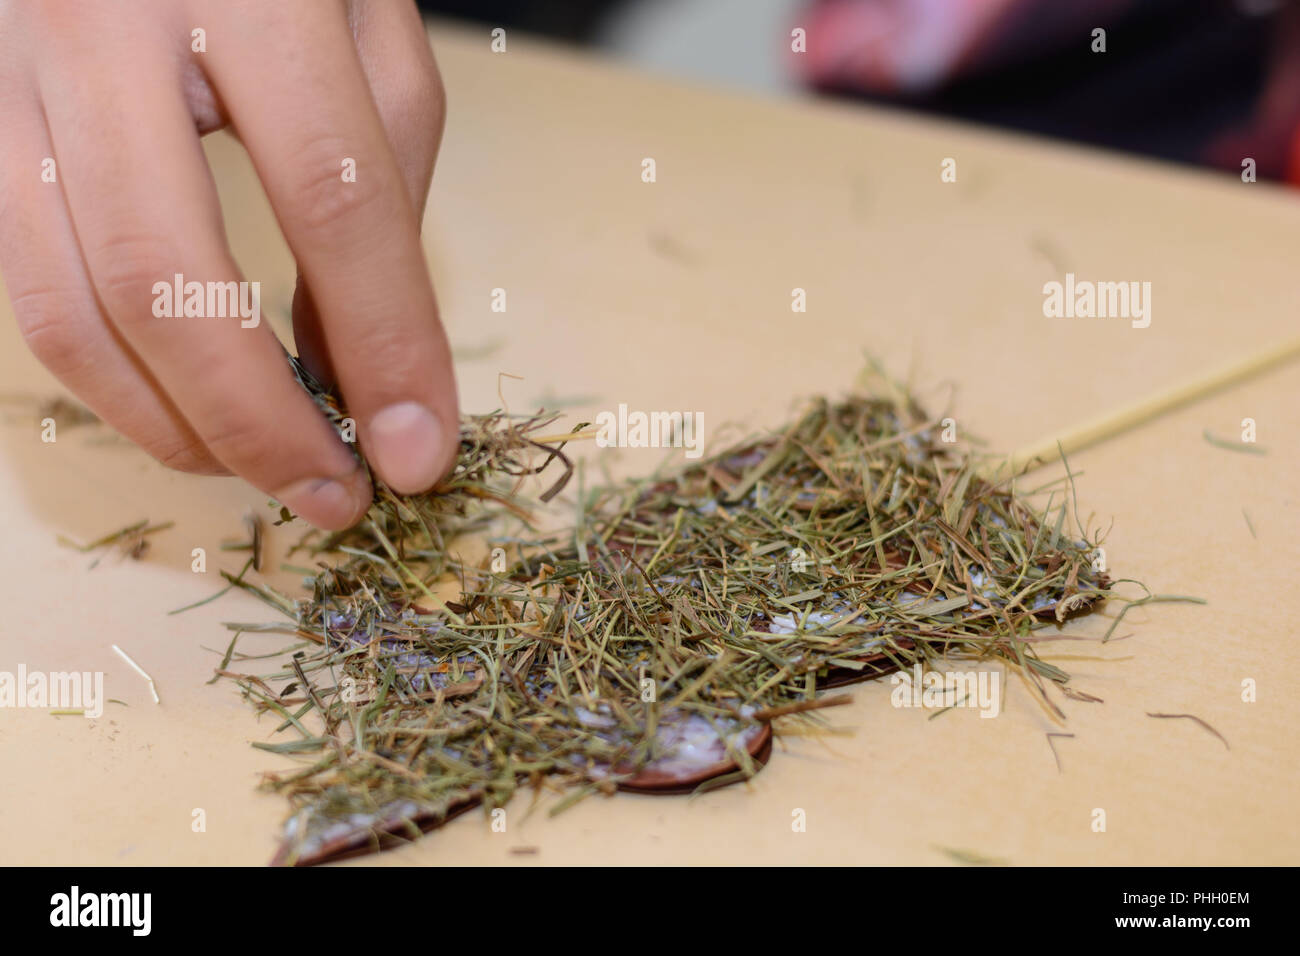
(676, 295)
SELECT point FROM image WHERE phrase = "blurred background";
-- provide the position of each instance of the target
(1202, 82)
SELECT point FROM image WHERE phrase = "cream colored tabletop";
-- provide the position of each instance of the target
(676, 294)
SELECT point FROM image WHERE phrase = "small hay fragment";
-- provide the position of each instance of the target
(153, 689)
(1198, 720)
(131, 541)
(970, 857)
(1241, 446)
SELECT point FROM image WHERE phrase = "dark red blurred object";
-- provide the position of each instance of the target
(1210, 82)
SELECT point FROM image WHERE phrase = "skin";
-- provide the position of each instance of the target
(115, 94)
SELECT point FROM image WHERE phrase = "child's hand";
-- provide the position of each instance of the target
(117, 96)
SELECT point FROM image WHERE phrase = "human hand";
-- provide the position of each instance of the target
(118, 97)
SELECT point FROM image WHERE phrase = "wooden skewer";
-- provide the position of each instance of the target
(1048, 448)
(1045, 450)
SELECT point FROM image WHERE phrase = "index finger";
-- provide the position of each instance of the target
(292, 81)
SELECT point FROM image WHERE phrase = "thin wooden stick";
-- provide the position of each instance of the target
(1047, 449)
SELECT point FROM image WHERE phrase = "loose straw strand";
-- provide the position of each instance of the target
(139, 670)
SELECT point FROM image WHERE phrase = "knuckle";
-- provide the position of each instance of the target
(393, 362)
(324, 199)
(47, 321)
(419, 100)
(190, 456)
(126, 269)
(243, 440)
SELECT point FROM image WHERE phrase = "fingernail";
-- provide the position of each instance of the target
(326, 502)
(406, 447)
